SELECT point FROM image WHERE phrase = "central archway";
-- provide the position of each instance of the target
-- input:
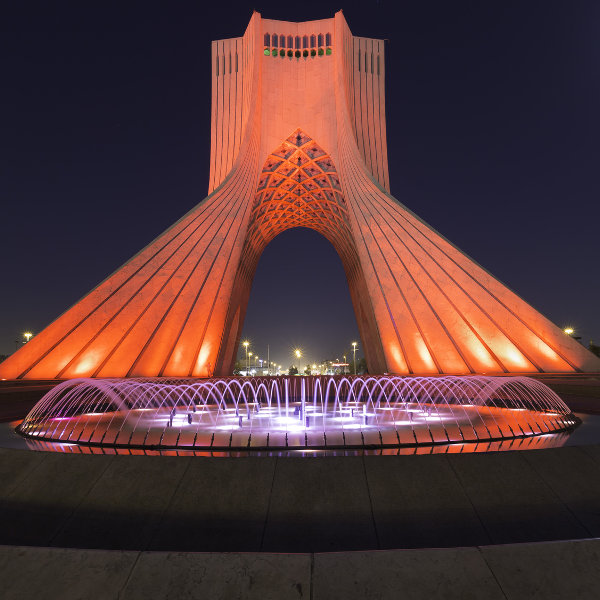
(299, 187)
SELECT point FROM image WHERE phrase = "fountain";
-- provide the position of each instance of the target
(254, 413)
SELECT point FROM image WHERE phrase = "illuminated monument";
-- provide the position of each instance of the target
(298, 139)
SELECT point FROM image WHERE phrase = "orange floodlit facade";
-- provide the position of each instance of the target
(298, 139)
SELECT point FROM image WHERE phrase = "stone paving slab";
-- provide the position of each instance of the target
(513, 502)
(544, 571)
(547, 571)
(406, 497)
(16, 465)
(220, 505)
(34, 511)
(298, 504)
(575, 478)
(65, 573)
(449, 573)
(593, 451)
(219, 576)
(125, 505)
(319, 505)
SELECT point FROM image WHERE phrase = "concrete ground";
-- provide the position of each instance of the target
(545, 571)
(498, 525)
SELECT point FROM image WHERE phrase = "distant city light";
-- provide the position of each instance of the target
(298, 353)
(569, 330)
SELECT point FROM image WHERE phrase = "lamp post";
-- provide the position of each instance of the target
(250, 358)
(354, 344)
(570, 331)
(344, 367)
(298, 354)
(246, 344)
(27, 335)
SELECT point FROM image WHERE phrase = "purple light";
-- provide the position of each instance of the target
(315, 411)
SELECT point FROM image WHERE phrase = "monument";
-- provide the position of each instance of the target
(298, 138)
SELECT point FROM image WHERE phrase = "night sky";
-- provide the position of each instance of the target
(493, 135)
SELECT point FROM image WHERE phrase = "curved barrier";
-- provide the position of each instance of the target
(296, 412)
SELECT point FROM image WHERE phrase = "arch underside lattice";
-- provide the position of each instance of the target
(299, 186)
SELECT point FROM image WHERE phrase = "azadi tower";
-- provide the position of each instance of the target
(298, 139)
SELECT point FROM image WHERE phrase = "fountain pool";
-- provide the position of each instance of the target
(253, 413)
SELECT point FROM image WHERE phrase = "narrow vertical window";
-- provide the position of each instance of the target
(217, 65)
(359, 60)
(282, 41)
(320, 39)
(290, 41)
(230, 62)
(297, 42)
(236, 62)
(275, 40)
(328, 39)
(313, 41)
(305, 41)
(267, 39)
(378, 72)
(365, 62)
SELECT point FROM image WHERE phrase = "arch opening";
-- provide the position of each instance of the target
(300, 300)
(299, 187)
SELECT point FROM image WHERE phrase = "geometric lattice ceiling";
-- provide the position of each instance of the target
(299, 187)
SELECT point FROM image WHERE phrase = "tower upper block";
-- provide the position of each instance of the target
(298, 139)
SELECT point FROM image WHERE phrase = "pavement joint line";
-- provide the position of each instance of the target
(558, 496)
(268, 511)
(482, 554)
(60, 527)
(468, 497)
(7, 491)
(312, 575)
(160, 519)
(126, 582)
(370, 502)
(590, 454)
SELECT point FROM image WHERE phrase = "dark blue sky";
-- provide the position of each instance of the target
(493, 129)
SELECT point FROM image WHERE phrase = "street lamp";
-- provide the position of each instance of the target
(27, 335)
(570, 331)
(354, 344)
(246, 344)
